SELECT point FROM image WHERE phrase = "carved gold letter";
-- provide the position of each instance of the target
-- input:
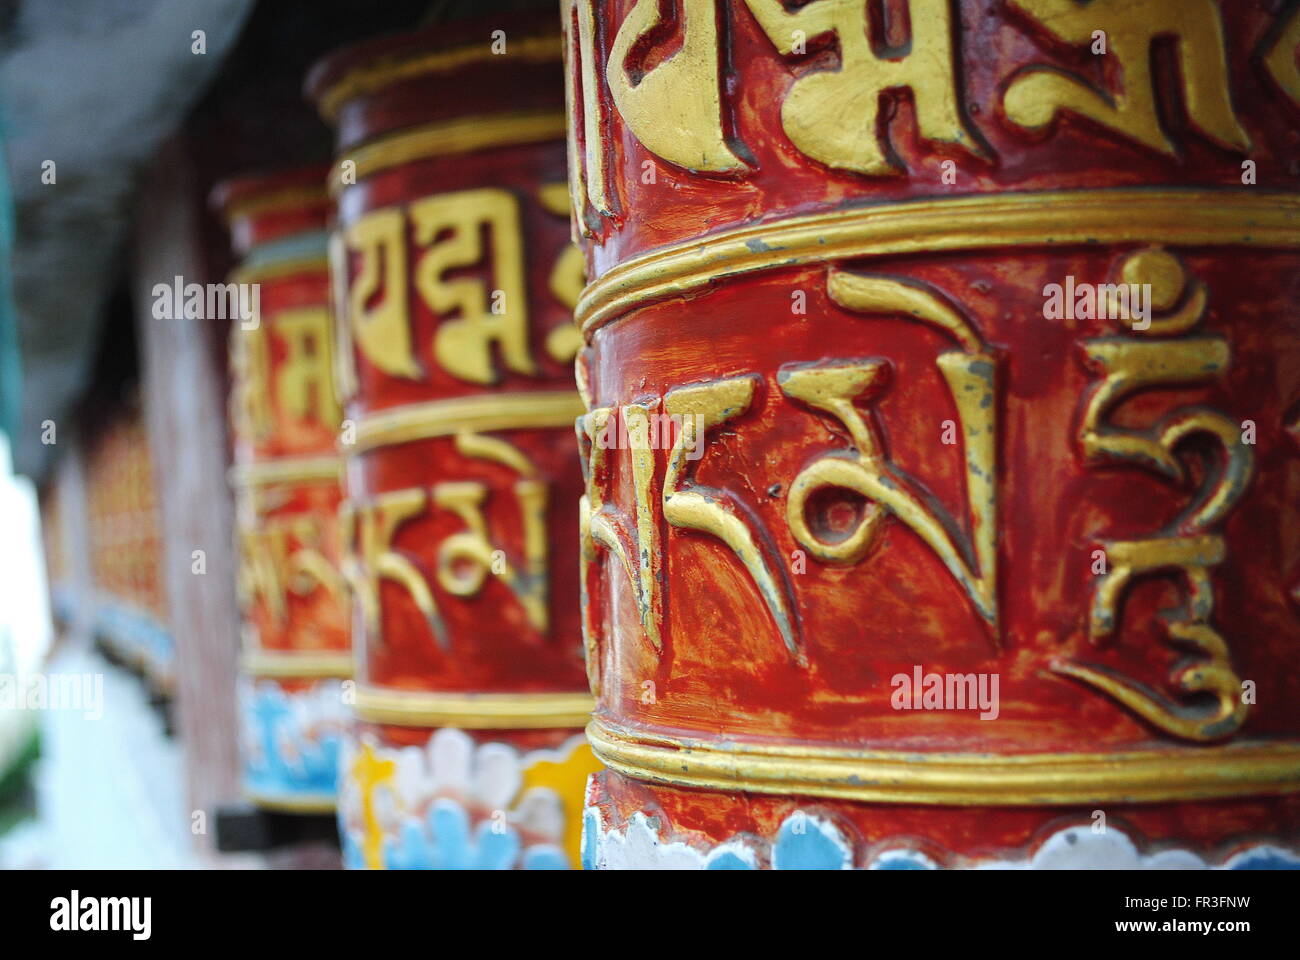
(483, 314)
(831, 115)
(712, 511)
(304, 383)
(674, 109)
(382, 331)
(833, 388)
(1038, 94)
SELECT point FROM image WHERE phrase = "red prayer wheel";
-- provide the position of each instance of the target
(942, 370)
(454, 283)
(284, 426)
(125, 549)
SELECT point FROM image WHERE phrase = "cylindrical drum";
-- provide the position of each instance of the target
(284, 426)
(454, 280)
(125, 550)
(943, 373)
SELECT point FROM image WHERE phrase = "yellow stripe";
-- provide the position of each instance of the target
(461, 135)
(473, 711)
(287, 198)
(266, 663)
(485, 412)
(953, 779)
(286, 470)
(1173, 217)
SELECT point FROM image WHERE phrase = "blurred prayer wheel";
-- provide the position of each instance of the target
(284, 425)
(454, 284)
(943, 378)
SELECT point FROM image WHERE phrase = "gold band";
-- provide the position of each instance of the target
(304, 803)
(451, 136)
(277, 269)
(272, 663)
(1173, 217)
(485, 412)
(470, 711)
(389, 70)
(953, 779)
(286, 470)
(287, 198)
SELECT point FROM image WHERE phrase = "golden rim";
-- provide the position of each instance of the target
(276, 269)
(462, 135)
(953, 779)
(305, 803)
(484, 412)
(471, 711)
(386, 71)
(308, 666)
(287, 198)
(1052, 218)
(286, 470)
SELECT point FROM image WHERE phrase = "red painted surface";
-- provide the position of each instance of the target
(724, 673)
(262, 211)
(995, 44)
(491, 646)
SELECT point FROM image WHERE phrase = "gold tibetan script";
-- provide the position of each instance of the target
(834, 388)
(675, 109)
(567, 278)
(688, 414)
(1280, 57)
(367, 531)
(448, 234)
(250, 397)
(676, 106)
(1036, 95)
(377, 300)
(831, 115)
(1151, 358)
(301, 384)
(304, 386)
(465, 559)
(284, 554)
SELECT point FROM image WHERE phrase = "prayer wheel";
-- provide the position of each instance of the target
(284, 425)
(454, 280)
(130, 613)
(942, 368)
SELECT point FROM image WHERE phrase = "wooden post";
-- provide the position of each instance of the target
(184, 388)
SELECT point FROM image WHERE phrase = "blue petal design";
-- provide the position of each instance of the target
(449, 825)
(727, 860)
(545, 857)
(902, 860)
(1264, 858)
(353, 858)
(412, 851)
(819, 846)
(317, 768)
(495, 849)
